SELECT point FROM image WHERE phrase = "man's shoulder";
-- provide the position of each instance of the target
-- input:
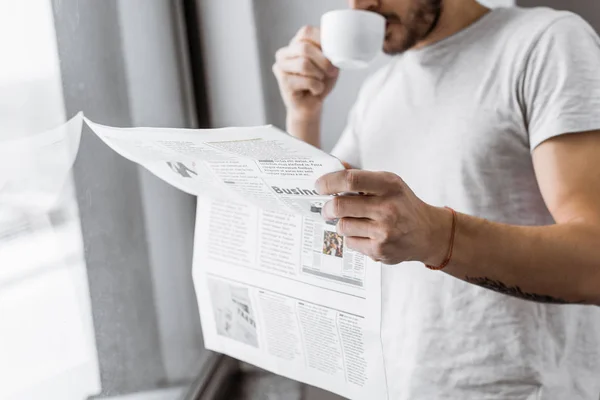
(530, 24)
(535, 16)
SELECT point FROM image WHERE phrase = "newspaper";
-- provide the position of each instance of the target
(276, 286)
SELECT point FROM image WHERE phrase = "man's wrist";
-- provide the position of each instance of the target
(440, 231)
(304, 118)
(305, 128)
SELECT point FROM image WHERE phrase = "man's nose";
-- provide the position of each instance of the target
(371, 5)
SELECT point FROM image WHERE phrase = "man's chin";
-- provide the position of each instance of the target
(399, 44)
(392, 50)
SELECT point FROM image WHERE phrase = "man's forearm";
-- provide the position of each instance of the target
(305, 129)
(550, 264)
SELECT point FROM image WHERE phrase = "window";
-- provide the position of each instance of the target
(96, 297)
(46, 331)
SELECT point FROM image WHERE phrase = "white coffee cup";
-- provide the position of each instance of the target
(351, 39)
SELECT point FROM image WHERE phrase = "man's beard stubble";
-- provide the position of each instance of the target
(417, 26)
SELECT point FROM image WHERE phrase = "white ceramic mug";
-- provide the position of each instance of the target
(351, 39)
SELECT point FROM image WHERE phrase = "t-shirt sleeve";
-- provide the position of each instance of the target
(561, 84)
(346, 149)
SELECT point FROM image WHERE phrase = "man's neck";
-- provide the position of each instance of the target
(456, 16)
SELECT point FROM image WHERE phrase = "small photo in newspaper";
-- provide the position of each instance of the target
(234, 314)
(326, 255)
(333, 244)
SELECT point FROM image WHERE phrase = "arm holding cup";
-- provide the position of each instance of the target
(307, 68)
(305, 77)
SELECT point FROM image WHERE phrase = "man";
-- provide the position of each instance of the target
(497, 115)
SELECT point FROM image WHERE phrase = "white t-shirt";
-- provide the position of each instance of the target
(458, 121)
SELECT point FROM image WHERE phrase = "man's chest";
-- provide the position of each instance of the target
(465, 145)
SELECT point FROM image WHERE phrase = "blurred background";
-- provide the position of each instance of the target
(96, 297)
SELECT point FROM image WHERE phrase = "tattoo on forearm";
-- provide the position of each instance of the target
(515, 291)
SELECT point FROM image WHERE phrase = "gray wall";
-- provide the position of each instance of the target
(588, 9)
(121, 65)
(231, 63)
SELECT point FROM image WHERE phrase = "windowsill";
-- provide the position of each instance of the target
(162, 394)
(261, 385)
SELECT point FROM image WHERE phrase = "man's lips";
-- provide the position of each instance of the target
(388, 24)
(390, 19)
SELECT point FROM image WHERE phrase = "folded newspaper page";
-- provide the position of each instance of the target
(276, 286)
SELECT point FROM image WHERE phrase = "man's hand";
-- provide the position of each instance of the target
(304, 75)
(387, 222)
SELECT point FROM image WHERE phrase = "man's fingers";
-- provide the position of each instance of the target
(310, 34)
(309, 50)
(365, 246)
(298, 83)
(350, 206)
(360, 244)
(301, 66)
(301, 83)
(357, 227)
(346, 165)
(359, 181)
